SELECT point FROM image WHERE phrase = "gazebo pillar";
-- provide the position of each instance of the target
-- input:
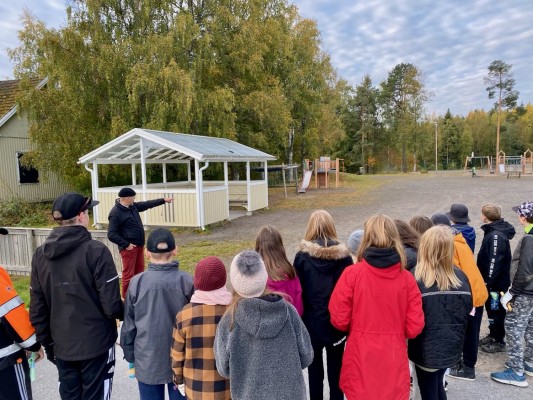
(143, 175)
(198, 172)
(133, 174)
(248, 190)
(265, 166)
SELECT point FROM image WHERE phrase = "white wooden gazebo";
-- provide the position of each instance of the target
(196, 203)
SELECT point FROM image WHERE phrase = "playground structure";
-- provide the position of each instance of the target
(506, 165)
(288, 174)
(321, 169)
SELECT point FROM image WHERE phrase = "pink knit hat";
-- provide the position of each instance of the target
(210, 274)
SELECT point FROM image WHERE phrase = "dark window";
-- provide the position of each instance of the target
(26, 175)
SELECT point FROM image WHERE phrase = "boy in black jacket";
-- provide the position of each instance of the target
(494, 262)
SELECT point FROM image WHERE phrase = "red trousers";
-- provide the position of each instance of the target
(132, 264)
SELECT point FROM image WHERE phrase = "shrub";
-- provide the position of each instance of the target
(21, 213)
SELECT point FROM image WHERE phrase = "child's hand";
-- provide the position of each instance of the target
(505, 299)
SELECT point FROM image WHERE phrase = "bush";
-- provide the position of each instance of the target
(21, 213)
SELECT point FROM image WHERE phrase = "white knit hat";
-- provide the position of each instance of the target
(248, 275)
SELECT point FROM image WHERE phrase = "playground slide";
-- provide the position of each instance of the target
(306, 180)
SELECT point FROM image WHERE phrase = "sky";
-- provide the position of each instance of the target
(451, 41)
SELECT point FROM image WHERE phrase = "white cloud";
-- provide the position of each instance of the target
(452, 42)
(52, 12)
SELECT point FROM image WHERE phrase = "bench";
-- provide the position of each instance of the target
(510, 174)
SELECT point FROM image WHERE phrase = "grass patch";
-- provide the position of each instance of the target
(188, 256)
(192, 252)
(22, 286)
(351, 190)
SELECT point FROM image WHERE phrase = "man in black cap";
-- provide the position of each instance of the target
(126, 230)
(75, 301)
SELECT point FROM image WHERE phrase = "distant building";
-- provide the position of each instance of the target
(17, 181)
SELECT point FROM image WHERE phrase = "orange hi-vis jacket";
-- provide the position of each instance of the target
(13, 312)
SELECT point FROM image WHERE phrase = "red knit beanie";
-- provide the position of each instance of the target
(210, 274)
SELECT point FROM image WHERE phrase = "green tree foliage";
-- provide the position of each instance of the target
(451, 149)
(360, 117)
(248, 70)
(403, 97)
(501, 86)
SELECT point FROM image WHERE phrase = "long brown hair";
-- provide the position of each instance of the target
(321, 226)
(380, 231)
(269, 245)
(408, 235)
(435, 257)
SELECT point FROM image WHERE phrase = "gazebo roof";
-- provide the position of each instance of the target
(170, 147)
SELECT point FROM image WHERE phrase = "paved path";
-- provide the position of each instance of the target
(397, 196)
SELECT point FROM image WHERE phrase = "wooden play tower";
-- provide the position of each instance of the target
(322, 168)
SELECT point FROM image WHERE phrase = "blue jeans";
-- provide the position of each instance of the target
(157, 392)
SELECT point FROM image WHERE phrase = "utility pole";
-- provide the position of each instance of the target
(436, 147)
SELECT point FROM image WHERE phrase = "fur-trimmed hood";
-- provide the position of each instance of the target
(334, 250)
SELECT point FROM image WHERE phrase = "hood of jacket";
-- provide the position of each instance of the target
(262, 317)
(64, 239)
(385, 261)
(322, 255)
(459, 238)
(501, 226)
(468, 232)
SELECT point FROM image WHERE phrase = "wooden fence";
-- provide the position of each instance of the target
(17, 248)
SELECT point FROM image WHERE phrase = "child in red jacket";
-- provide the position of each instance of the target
(379, 304)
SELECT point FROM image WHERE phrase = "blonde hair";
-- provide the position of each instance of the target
(269, 245)
(435, 256)
(492, 212)
(380, 231)
(321, 226)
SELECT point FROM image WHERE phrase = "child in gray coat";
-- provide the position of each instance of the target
(261, 343)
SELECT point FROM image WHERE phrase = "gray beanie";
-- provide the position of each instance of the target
(248, 275)
(354, 240)
(440, 219)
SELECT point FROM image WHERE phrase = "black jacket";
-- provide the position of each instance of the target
(319, 268)
(125, 224)
(440, 345)
(411, 255)
(494, 257)
(75, 295)
(522, 267)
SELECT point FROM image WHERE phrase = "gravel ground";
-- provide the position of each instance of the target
(400, 196)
